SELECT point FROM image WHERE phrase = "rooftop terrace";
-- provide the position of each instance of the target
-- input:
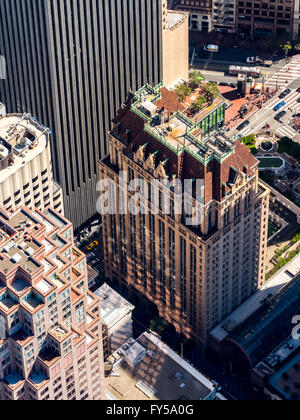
(172, 123)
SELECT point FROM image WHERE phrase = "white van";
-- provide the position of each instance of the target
(212, 48)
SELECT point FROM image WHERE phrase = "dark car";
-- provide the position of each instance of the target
(280, 115)
(285, 93)
(243, 125)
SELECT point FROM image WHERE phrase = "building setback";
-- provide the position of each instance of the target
(195, 275)
(50, 324)
(70, 63)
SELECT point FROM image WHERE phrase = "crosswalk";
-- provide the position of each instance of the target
(283, 131)
(246, 131)
(286, 75)
(291, 102)
(286, 131)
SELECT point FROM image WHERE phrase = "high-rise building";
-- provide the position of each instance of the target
(195, 274)
(51, 336)
(175, 47)
(70, 63)
(25, 165)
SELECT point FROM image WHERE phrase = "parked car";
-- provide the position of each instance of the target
(278, 106)
(280, 115)
(243, 125)
(285, 93)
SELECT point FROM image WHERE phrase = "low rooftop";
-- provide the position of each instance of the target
(286, 381)
(263, 331)
(270, 289)
(22, 138)
(147, 369)
(113, 306)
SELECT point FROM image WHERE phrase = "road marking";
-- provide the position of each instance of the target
(286, 131)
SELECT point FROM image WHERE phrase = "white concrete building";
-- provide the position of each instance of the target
(116, 315)
(25, 165)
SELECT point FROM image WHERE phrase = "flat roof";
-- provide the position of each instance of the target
(152, 371)
(263, 331)
(286, 380)
(113, 306)
(174, 18)
(19, 132)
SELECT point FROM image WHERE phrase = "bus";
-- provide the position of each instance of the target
(249, 71)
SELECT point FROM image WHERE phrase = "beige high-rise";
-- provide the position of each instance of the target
(195, 275)
(175, 46)
(26, 177)
(50, 327)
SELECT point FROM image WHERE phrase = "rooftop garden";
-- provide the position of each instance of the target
(206, 93)
(285, 255)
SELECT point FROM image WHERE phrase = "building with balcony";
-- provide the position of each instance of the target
(147, 369)
(223, 15)
(26, 177)
(195, 272)
(50, 326)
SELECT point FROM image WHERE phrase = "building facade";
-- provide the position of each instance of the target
(224, 15)
(195, 274)
(267, 17)
(70, 64)
(50, 326)
(201, 17)
(26, 166)
(116, 315)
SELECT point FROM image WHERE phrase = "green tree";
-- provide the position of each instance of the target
(197, 76)
(182, 92)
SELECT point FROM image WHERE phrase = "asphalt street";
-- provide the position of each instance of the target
(266, 114)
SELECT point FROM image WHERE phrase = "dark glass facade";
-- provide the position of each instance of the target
(71, 63)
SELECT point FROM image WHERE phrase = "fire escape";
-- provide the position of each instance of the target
(221, 12)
